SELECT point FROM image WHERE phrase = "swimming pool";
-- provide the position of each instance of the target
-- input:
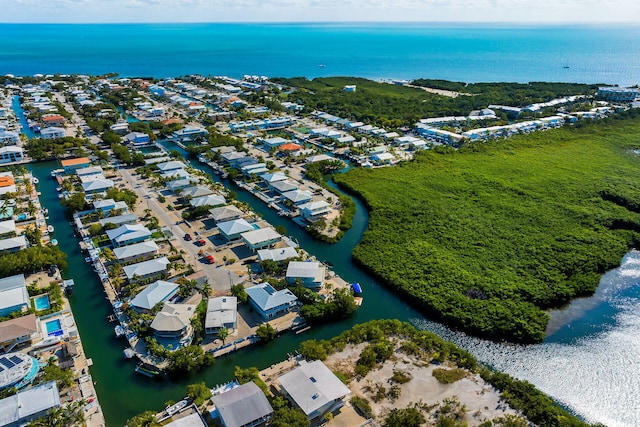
(21, 217)
(41, 302)
(54, 328)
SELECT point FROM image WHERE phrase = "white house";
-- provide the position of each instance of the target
(158, 291)
(311, 274)
(313, 211)
(146, 269)
(222, 312)
(136, 251)
(13, 294)
(128, 234)
(261, 238)
(52, 132)
(10, 154)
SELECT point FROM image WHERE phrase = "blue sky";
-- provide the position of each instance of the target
(539, 11)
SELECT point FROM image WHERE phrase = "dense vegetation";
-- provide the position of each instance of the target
(520, 395)
(487, 237)
(31, 260)
(394, 106)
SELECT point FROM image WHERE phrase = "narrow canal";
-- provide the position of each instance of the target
(564, 366)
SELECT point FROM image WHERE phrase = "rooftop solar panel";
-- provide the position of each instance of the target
(16, 360)
(6, 362)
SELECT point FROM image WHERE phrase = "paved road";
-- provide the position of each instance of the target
(220, 278)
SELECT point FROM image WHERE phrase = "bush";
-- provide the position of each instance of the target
(449, 376)
(362, 407)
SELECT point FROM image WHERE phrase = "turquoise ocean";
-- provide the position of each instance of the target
(589, 361)
(461, 52)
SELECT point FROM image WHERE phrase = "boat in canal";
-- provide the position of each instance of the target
(147, 370)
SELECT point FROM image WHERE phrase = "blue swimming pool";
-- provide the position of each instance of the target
(21, 217)
(54, 328)
(41, 302)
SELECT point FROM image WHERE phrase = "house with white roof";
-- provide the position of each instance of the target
(208, 200)
(297, 197)
(261, 238)
(119, 220)
(174, 322)
(270, 143)
(108, 205)
(128, 234)
(176, 174)
(8, 137)
(136, 252)
(13, 295)
(277, 255)
(7, 227)
(91, 170)
(147, 269)
(313, 211)
(195, 191)
(97, 185)
(271, 178)
(222, 312)
(191, 420)
(310, 274)
(225, 213)
(270, 303)
(52, 132)
(158, 291)
(10, 154)
(27, 405)
(13, 244)
(313, 388)
(181, 183)
(170, 166)
(190, 133)
(284, 186)
(242, 406)
(232, 230)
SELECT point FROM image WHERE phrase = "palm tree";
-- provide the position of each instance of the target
(205, 290)
(223, 334)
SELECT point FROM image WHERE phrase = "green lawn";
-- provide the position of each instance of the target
(488, 237)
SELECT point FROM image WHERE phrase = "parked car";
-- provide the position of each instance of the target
(209, 258)
(201, 242)
(187, 237)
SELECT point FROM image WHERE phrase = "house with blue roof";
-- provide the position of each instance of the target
(270, 303)
(232, 230)
(158, 291)
(128, 234)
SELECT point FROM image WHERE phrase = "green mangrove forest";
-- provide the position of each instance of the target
(488, 237)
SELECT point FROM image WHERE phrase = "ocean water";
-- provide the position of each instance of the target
(461, 52)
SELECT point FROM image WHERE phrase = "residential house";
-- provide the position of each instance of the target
(128, 234)
(277, 255)
(617, 94)
(289, 148)
(242, 406)
(7, 228)
(19, 331)
(106, 206)
(190, 133)
(313, 211)
(136, 252)
(13, 244)
(172, 165)
(10, 154)
(27, 405)
(152, 268)
(272, 178)
(119, 220)
(137, 139)
(174, 322)
(158, 291)
(97, 185)
(50, 120)
(181, 183)
(311, 274)
(297, 197)
(195, 191)
(7, 183)
(90, 171)
(232, 230)
(313, 388)
(270, 303)
(225, 213)
(8, 137)
(71, 165)
(271, 143)
(52, 133)
(285, 186)
(120, 128)
(261, 238)
(208, 200)
(222, 312)
(191, 420)
(13, 295)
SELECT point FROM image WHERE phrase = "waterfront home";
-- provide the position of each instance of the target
(106, 206)
(617, 94)
(297, 197)
(7, 184)
(261, 238)
(232, 230)
(190, 133)
(289, 148)
(8, 137)
(232, 157)
(97, 185)
(195, 191)
(242, 406)
(382, 158)
(92, 177)
(50, 120)
(157, 292)
(253, 168)
(90, 171)
(313, 388)
(27, 405)
(7, 228)
(10, 154)
(271, 178)
(136, 252)
(222, 313)
(172, 325)
(313, 211)
(13, 244)
(120, 128)
(127, 234)
(119, 220)
(17, 332)
(320, 158)
(277, 255)
(191, 420)
(137, 139)
(284, 186)
(71, 165)
(270, 303)
(208, 200)
(181, 183)
(225, 213)
(157, 159)
(310, 274)
(152, 268)
(13, 295)
(439, 135)
(271, 143)
(172, 165)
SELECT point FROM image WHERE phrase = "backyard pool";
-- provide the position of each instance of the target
(41, 302)
(54, 328)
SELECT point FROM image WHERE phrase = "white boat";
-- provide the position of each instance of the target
(48, 342)
(128, 353)
(35, 180)
(119, 330)
(174, 409)
(50, 228)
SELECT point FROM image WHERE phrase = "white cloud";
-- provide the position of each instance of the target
(319, 10)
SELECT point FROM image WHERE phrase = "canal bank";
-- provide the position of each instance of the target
(123, 394)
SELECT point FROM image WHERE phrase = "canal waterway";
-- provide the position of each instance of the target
(589, 363)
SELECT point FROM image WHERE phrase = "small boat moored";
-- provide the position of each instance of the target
(147, 370)
(50, 228)
(119, 330)
(174, 409)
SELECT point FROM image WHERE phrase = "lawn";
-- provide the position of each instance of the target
(488, 237)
